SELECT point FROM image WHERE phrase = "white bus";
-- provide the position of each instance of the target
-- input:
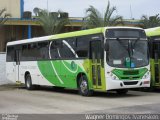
(101, 59)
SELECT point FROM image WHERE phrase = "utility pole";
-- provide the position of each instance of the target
(131, 12)
(47, 5)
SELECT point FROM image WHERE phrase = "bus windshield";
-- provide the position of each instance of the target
(127, 53)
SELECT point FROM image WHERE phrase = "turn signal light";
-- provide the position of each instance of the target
(146, 82)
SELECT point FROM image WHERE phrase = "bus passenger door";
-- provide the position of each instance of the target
(155, 65)
(16, 65)
(95, 54)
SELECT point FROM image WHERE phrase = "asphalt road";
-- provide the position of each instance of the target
(17, 100)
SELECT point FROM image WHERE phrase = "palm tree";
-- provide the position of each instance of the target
(52, 23)
(149, 22)
(3, 16)
(95, 19)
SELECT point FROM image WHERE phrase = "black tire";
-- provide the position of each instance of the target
(28, 82)
(83, 86)
(122, 91)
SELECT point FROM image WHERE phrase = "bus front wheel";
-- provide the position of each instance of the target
(84, 87)
(28, 82)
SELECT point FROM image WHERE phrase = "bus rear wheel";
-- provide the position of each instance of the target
(122, 91)
(84, 87)
(28, 82)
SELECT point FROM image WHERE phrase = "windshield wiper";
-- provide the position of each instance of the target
(135, 43)
(122, 44)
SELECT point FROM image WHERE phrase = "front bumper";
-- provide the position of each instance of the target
(126, 84)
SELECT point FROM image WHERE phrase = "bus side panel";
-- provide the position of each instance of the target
(61, 73)
(10, 71)
(30, 67)
(36, 76)
(69, 71)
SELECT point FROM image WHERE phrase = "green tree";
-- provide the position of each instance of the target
(52, 23)
(149, 22)
(3, 16)
(96, 19)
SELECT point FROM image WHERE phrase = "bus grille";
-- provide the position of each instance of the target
(131, 72)
(130, 83)
(131, 78)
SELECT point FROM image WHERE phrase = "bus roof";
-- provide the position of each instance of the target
(58, 36)
(86, 32)
(153, 31)
(66, 35)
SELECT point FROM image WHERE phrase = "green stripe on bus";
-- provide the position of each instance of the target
(78, 33)
(153, 31)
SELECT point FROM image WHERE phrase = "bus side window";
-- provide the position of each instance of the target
(10, 54)
(43, 50)
(24, 52)
(68, 48)
(29, 52)
(54, 50)
(33, 51)
(82, 49)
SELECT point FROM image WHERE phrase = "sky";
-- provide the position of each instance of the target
(76, 8)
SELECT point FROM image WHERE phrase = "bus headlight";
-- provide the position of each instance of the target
(114, 77)
(146, 75)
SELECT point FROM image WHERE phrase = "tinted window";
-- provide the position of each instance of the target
(10, 54)
(54, 49)
(43, 50)
(24, 52)
(34, 53)
(30, 52)
(83, 46)
(67, 49)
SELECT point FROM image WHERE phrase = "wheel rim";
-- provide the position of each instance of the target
(83, 86)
